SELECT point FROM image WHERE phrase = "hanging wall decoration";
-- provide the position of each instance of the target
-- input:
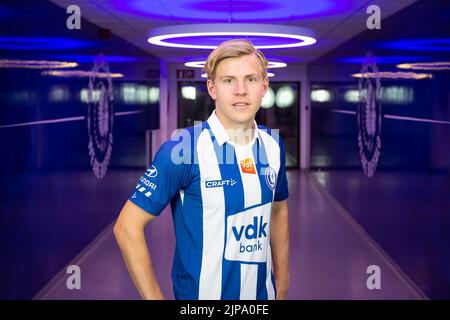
(369, 117)
(100, 117)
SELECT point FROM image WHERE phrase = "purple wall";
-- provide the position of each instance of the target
(51, 203)
(405, 206)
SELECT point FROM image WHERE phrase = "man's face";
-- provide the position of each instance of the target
(238, 89)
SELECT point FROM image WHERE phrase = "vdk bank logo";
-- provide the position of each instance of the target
(253, 231)
(247, 235)
(100, 117)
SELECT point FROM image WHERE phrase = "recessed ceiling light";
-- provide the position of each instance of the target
(425, 66)
(393, 75)
(36, 64)
(209, 36)
(81, 74)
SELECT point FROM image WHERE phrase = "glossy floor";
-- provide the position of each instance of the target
(329, 256)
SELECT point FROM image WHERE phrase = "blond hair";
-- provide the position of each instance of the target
(234, 48)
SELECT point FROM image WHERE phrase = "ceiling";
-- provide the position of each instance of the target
(332, 21)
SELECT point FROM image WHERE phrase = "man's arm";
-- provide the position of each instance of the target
(129, 233)
(279, 235)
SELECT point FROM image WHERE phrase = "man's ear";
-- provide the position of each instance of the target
(211, 89)
(265, 85)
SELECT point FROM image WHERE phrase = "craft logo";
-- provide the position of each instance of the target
(220, 183)
(100, 117)
(247, 166)
(369, 117)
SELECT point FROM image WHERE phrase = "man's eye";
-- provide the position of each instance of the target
(252, 79)
(227, 80)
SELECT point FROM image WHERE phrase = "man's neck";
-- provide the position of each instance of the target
(241, 136)
(240, 133)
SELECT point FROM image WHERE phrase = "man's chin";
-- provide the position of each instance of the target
(244, 119)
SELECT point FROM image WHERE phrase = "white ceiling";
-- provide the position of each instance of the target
(331, 30)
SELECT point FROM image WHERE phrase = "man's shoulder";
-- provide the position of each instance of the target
(273, 135)
(182, 139)
(191, 133)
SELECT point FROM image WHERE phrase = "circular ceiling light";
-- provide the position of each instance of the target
(269, 75)
(201, 64)
(209, 36)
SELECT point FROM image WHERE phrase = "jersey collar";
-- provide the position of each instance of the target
(221, 134)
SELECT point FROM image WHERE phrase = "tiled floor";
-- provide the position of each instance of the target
(329, 256)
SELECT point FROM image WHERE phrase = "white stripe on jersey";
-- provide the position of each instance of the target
(250, 181)
(210, 286)
(269, 284)
(249, 281)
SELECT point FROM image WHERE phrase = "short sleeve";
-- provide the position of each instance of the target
(281, 190)
(160, 183)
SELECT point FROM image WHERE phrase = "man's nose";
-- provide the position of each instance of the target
(240, 88)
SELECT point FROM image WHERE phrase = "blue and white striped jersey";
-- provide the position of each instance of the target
(221, 196)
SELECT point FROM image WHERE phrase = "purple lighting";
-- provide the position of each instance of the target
(81, 58)
(383, 60)
(42, 43)
(432, 45)
(233, 10)
(236, 6)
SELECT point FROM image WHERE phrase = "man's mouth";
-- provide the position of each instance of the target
(240, 104)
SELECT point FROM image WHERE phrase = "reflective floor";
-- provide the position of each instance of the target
(329, 256)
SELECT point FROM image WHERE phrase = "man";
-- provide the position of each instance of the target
(226, 183)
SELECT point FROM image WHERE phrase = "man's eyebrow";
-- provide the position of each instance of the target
(246, 76)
